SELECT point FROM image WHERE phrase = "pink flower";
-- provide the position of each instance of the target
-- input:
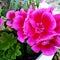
(40, 26)
(48, 47)
(41, 23)
(18, 24)
(10, 16)
(1, 22)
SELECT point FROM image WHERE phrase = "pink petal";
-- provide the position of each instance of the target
(10, 14)
(37, 14)
(30, 10)
(1, 21)
(55, 41)
(18, 22)
(45, 47)
(49, 50)
(32, 40)
(48, 21)
(17, 13)
(9, 23)
(47, 35)
(35, 48)
(57, 17)
(21, 36)
(23, 13)
(28, 29)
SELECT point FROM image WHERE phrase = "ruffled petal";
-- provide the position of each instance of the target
(47, 35)
(32, 40)
(48, 50)
(57, 18)
(28, 29)
(21, 36)
(9, 23)
(23, 13)
(36, 15)
(35, 48)
(55, 41)
(18, 22)
(48, 21)
(10, 14)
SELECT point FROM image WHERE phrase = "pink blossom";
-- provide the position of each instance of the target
(41, 23)
(48, 47)
(18, 24)
(10, 16)
(40, 26)
(1, 22)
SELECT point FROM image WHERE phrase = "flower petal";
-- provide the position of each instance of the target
(47, 35)
(18, 22)
(21, 36)
(28, 29)
(9, 23)
(10, 14)
(23, 13)
(35, 48)
(55, 41)
(32, 40)
(49, 50)
(57, 17)
(48, 21)
(1, 21)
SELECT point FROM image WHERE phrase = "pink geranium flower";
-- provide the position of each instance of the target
(48, 47)
(41, 23)
(40, 26)
(10, 16)
(18, 24)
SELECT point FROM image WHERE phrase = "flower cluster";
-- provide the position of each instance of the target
(40, 26)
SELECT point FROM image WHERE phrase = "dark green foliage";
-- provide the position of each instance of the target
(9, 47)
(29, 51)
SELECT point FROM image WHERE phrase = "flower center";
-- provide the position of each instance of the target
(39, 28)
(45, 42)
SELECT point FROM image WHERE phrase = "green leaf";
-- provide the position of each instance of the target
(9, 47)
